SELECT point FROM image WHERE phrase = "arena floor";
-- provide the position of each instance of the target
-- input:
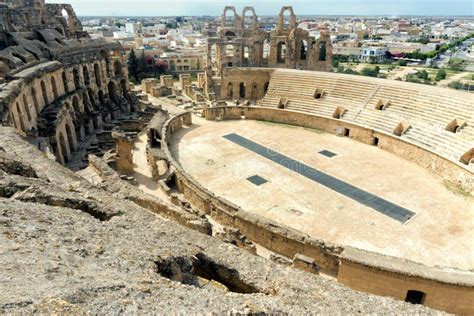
(440, 232)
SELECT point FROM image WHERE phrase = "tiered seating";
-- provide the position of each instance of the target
(427, 110)
(299, 87)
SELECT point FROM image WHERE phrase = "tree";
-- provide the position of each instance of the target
(423, 74)
(133, 66)
(142, 65)
(335, 63)
(402, 63)
(441, 75)
(160, 67)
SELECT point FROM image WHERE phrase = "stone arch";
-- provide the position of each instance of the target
(76, 105)
(102, 97)
(322, 51)
(303, 50)
(54, 87)
(86, 103)
(118, 68)
(104, 55)
(85, 74)
(246, 59)
(281, 52)
(227, 21)
(98, 77)
(70, 132)
(27, 108)
(242, 90)
(230, 90)
(254, 91)
(113, 92)
(65, 81)
(20, 118)
(123, 87)
(63, 148)
(35, 101)
(249, 22)
(281, 18)
(77, 80)
(92, 99)
(44, 92)
(266, 50)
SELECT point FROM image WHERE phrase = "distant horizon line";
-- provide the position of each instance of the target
(298, 16)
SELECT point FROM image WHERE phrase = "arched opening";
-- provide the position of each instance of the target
(70, 136)
(230, 35)
(303, 50)
(249, 19)
(102, 97)
(98, 79)
(87, 104)
(63, 147)
(92, 99)
(266, 50)
(20, 119)
(85, 74)
(265, 87)
(118, 68)
(375, 141)
(230, 90)
(242, 90)
(246, 55)
(35, 101)
(113, 92)
(229, 51)
(104, 55)
(65, 15)
(55, 89)
(75, 105)
(214, 56)
(254, 91)
(64, 79)
(415, 297)
(229, 18)
(77, 80)
(322, 51)
(286, 19)
(45, 93)
(281, 52)
(123, 86)
(27, 108)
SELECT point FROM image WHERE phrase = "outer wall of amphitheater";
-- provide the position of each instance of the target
(365, 271)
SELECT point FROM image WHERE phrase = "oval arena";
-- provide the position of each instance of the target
(286, 178)
(268, 182)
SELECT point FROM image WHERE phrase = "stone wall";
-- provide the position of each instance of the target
(58, 104)
(245, 83)
(387, 276)
(365, 271)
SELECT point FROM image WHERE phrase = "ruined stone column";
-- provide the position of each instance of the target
(124, 146)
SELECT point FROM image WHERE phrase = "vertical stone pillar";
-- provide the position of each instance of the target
(124, 146)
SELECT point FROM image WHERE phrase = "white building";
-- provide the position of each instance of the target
(133, 28)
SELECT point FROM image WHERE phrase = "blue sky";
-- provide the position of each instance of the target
(267, 7)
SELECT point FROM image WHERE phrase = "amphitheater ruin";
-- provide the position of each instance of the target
(269, 185)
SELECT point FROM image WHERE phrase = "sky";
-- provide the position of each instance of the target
(267, 7)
